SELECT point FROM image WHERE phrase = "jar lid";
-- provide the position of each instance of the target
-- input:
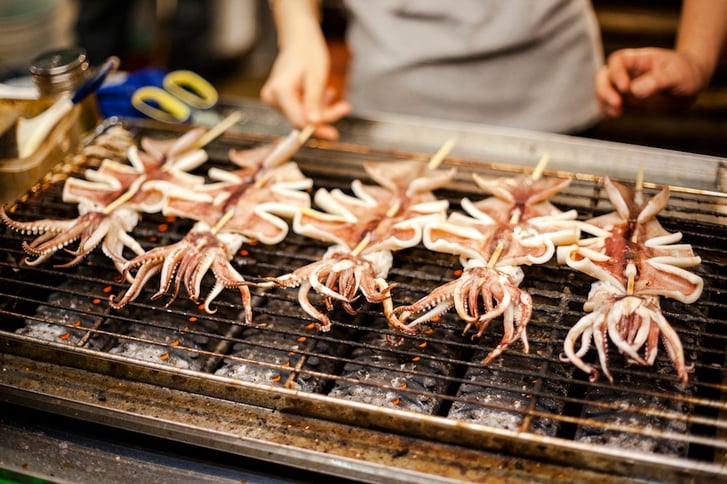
(59, 61)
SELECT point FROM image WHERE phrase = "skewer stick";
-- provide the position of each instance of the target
(514, 219)
(442, 153)
(262, 180)
(306, 133)
(638, 196)
(218, 129)
(496, 255)
(540, 167)
(361, 245)
(223, 221)
(631, 274)
(125, 197)
(394, 208)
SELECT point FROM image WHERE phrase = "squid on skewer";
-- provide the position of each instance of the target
(636, 263)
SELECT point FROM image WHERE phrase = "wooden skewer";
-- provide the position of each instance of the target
(223, 221)
(514, 219)
(394, 208)
(638, 196)
(361, 245)
(262, 180)
(125, 197)
(442, 153)
(306, 133)
(218, 129)
(540, 167)
(631, 274)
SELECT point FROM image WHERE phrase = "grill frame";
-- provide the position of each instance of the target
(318, 411)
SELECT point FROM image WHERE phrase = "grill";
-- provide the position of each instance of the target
(349, 402)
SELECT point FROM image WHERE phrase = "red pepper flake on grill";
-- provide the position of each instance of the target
(77, 323)
(423, 344)
(153, 238)
(429, 331)
(163, 227)
(65, 336)
(396, 401)
(107, 289)
(277, 378)
(244, 252)
(184, 330)
(171, 218)
(302, 339)
(175, 342)
(164, 357)
(458, 272)
(286, 364)
(416, 358)
(96, 300)
(310, 326)
(192, 319)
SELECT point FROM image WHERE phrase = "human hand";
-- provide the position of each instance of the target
(297, 87)
(648, 79)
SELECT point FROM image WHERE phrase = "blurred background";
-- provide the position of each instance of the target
(232, 44)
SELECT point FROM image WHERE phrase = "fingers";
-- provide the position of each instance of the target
(609, 99)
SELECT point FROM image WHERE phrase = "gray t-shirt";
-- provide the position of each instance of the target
(519, 63)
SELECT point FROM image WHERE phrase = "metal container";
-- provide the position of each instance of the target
(59, 71)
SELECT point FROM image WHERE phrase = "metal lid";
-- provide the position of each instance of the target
(60, 61)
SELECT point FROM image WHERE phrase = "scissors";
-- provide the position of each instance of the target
(183, 94)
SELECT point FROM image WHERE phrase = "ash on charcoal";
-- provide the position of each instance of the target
(411, 376)
(634, 420)
(271, 351)
(501, 394)
(65, 319)
(171, 338)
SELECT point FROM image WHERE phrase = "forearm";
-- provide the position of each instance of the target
(295, 20)
(703, 33)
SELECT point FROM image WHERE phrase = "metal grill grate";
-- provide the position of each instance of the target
(523, 403)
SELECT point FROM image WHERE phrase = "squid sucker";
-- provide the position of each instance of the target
(635, 264)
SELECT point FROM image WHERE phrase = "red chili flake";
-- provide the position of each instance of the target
(96, 301)
(77, 323)
(107, 289)
(201, 307)
(153, 238)
(403, 386)
(183, 331)
(171, 218)
(65, 336)
(458, 272)
(244, 252)
(396, 401)
(436, 319)
(193, 319)
(423, 344)
(164, 357)
(163, 227)
(175, 342)
(286, 364)
(277, 378)
(429, 331)
(310, 326)
(416, 358)
(302, 339)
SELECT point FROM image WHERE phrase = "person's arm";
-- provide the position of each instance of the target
(662, 79)
(297, 82)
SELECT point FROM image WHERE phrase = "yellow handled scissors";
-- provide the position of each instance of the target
(183, 90)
